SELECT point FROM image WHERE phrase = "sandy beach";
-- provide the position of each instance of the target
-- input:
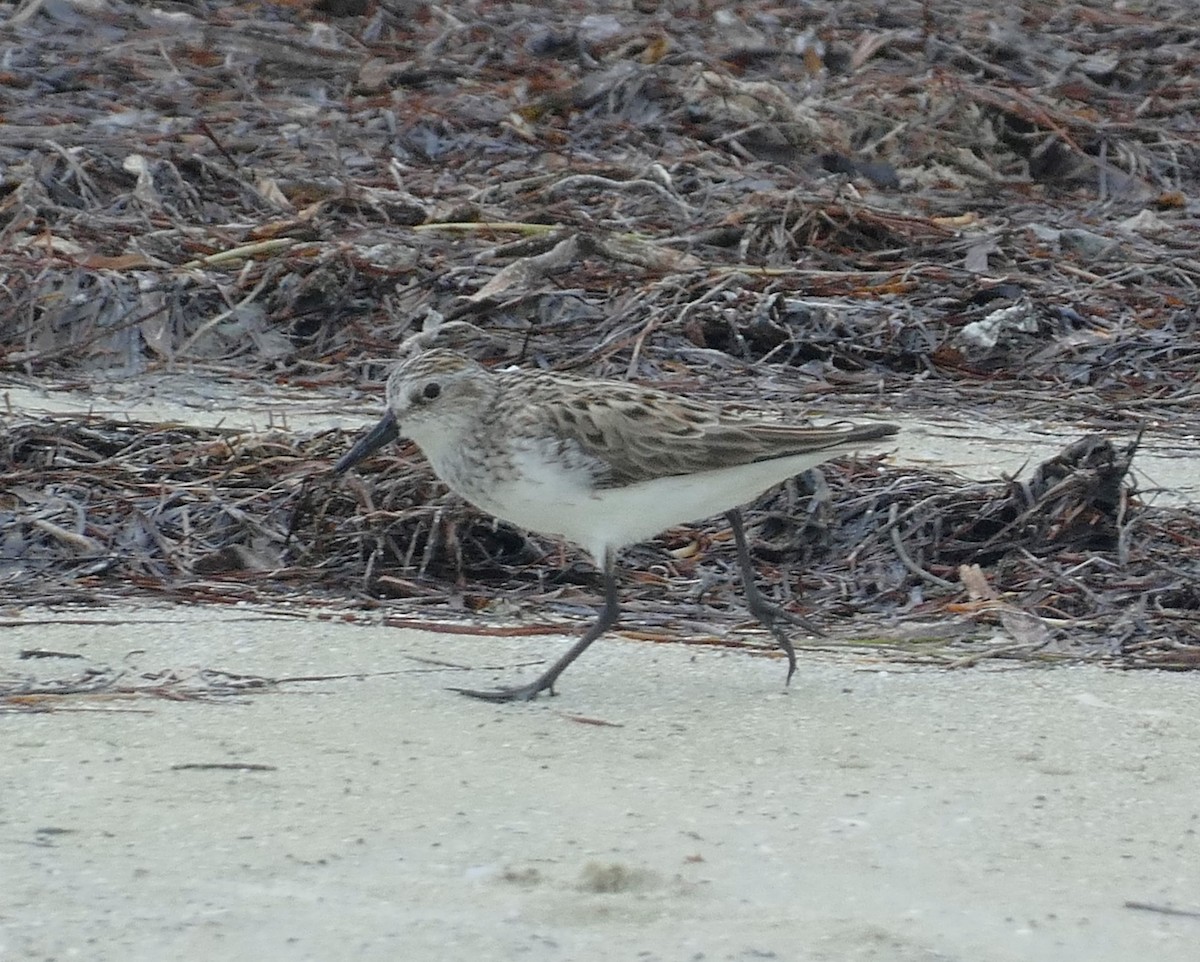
(670, 804)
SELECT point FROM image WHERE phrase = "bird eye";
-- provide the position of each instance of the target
(432, 390)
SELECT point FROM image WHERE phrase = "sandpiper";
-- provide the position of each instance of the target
(601, 463)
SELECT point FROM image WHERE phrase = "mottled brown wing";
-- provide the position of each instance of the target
(638, 435)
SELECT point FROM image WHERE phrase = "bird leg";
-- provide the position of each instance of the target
(770, 615)
(606, 619)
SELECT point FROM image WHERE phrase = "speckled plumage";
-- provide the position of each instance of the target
(601, 463)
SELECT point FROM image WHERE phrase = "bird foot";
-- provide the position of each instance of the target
(792, 618)
(784, 642)
(501, 695)
(770, 617)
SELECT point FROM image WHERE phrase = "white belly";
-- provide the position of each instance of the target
(551, 501)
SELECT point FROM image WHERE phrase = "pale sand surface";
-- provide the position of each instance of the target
(873, 812)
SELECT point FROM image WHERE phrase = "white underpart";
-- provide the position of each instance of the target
(549, 497)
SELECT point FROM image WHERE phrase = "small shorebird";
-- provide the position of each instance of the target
(601, 463)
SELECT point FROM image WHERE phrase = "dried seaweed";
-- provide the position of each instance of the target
(104, 509)
(932, 203)
(293, 195)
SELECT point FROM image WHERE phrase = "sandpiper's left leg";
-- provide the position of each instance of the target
(607, 618)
